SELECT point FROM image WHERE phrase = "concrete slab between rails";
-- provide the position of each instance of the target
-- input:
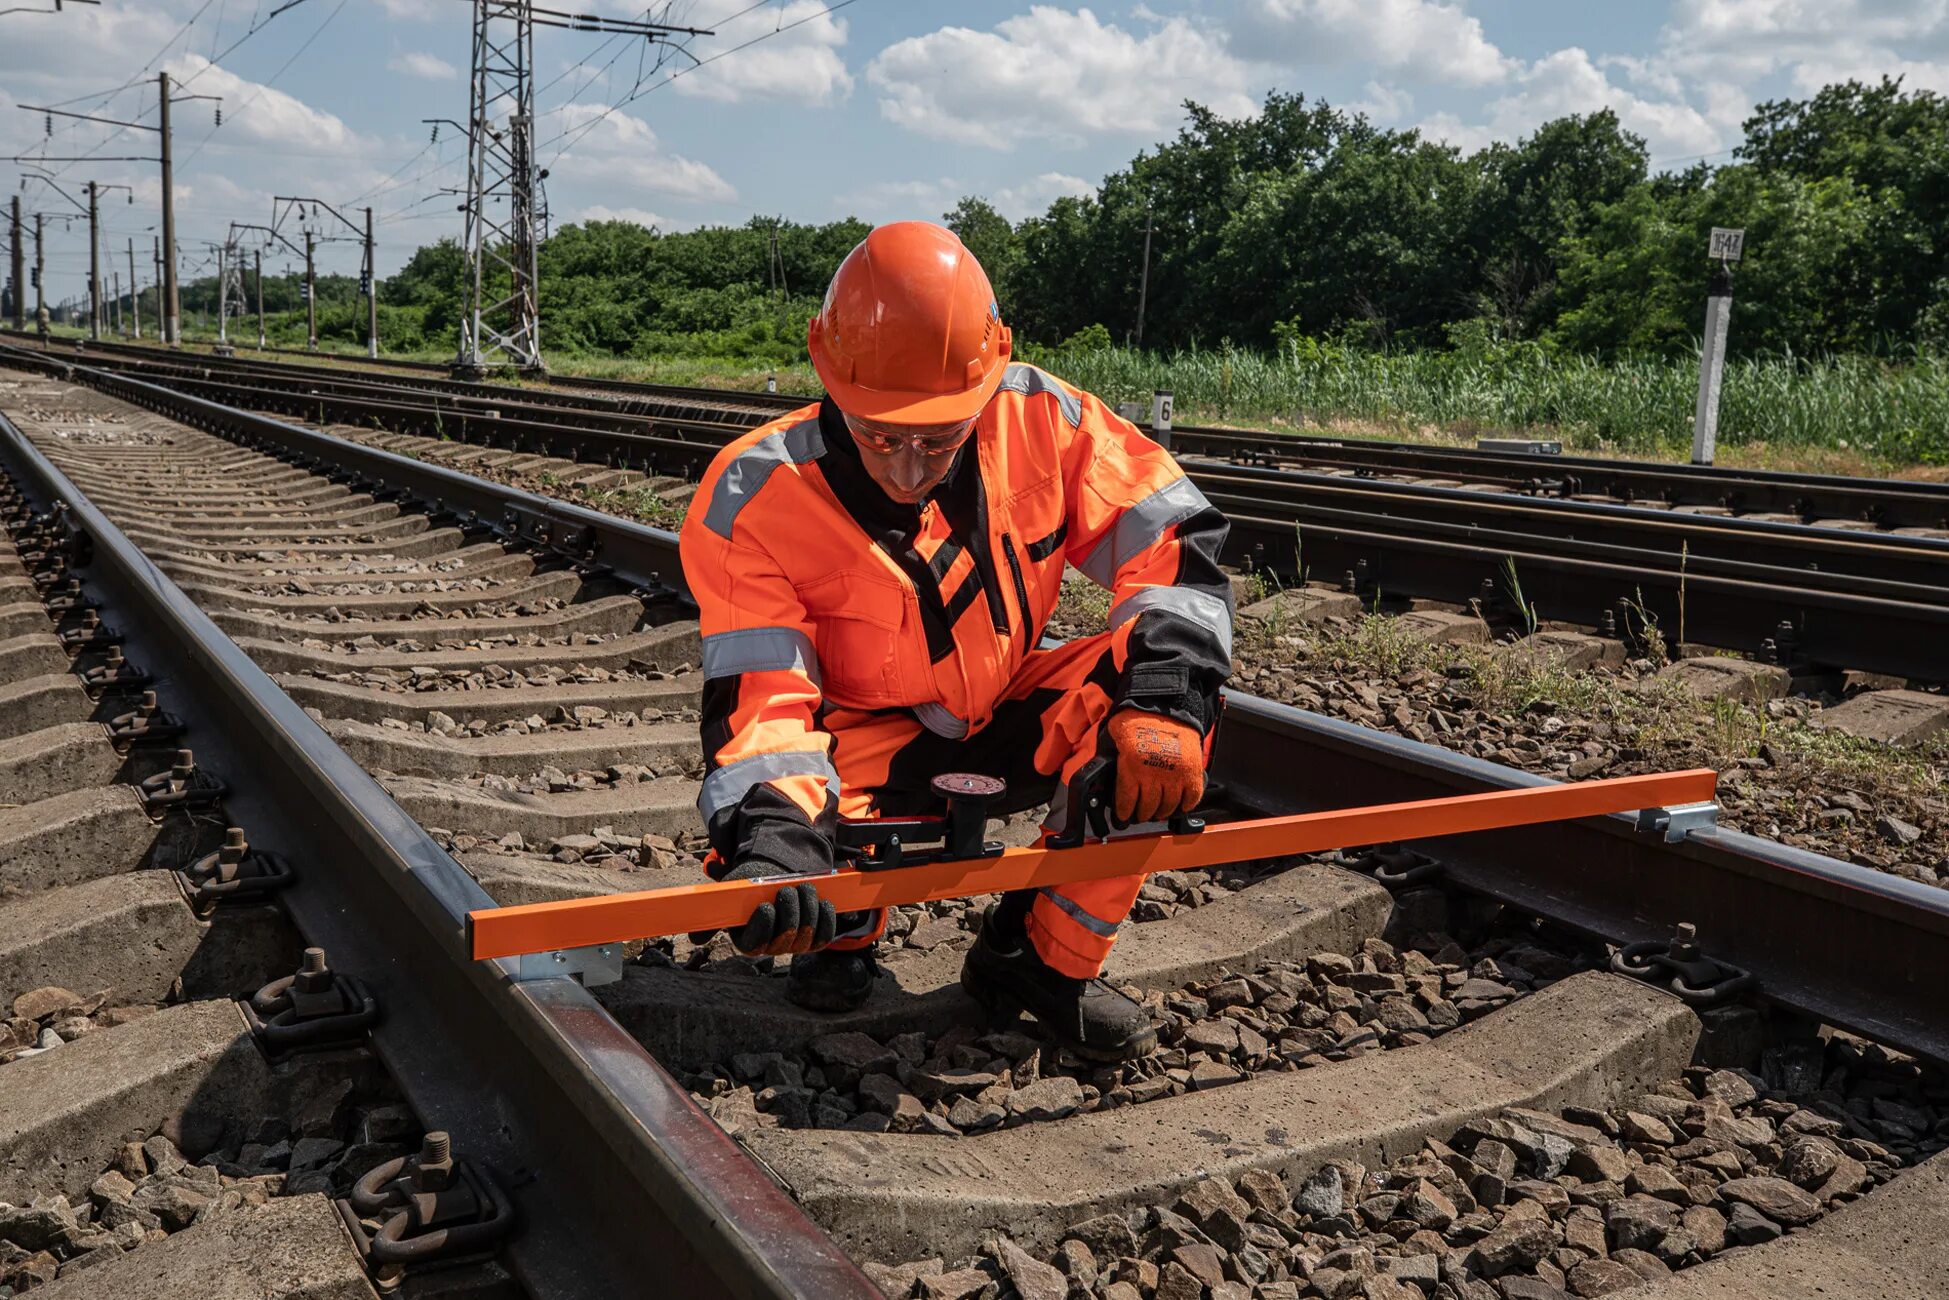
(512, 879)
(133, 934)
(435, 542)
(81, 835)
(1440, 627)
(603, 616)
(291, 1248)
(488, 563)
(18, 618)
(1890, 717)
(1568, 648)
(1718, 677)
(662, 648)
(65, 1113)
(688, 1016)
(45, 701)
(410, 753)
(1892, 1243)
(36, 654)
(1304, 605)
(56, 760)
(558, 585)
(1589, 1040)
(667, 806)
(498, 704)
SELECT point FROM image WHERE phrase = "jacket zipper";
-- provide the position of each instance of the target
(1021, 588)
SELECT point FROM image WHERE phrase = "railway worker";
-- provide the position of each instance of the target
(873, 575)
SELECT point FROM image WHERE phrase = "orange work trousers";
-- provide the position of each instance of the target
(1043, 730)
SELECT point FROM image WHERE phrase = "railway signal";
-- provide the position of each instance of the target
(925, 859)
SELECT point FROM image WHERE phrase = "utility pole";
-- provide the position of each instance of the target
(311, 295)
(223, 348)
(115, 297)
(135, 292)
(172, 303)
(161, 332)
(19, 272)
(1725, 246)
(40, 270)
(260, 299)
(1143, 284)
(371, 292)
(94, 263)
(500, 233)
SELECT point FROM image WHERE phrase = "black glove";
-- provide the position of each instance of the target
(795, 920)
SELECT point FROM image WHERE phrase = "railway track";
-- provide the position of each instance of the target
(1828, 501)
(1807, 599)
(1385, 1075)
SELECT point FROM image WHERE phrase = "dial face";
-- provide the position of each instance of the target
(952, 784)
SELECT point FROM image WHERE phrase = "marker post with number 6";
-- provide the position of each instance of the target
(1724, 247)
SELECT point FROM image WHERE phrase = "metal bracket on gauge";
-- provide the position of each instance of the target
(1678, 821)
(598, 964)
(886, 843)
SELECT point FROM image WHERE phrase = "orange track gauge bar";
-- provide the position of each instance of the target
(612, 918)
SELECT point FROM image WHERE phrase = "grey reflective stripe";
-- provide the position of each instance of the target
(746, 474)
(733, 781)
(1200, 607)
(759, 650)
(939, 721)
(1095, 925)
(1029, 381)
(1139, 527)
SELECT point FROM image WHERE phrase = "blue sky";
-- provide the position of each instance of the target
(879, 108)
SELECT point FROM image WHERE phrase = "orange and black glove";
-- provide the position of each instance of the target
(796, 919)
(1160, 766)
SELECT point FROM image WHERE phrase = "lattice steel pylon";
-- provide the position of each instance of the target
(502, 323)
(501, 326)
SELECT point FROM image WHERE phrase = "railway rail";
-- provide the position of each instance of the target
(396, 667)
(1809, 599)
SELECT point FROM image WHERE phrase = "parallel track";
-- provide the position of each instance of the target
(628, 1178)
(1808, 598)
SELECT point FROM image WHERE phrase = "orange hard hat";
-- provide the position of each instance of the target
(909, 332)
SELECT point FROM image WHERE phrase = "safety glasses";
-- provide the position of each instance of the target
(932, 440)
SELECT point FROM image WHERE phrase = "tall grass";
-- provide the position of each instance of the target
(1898, 412)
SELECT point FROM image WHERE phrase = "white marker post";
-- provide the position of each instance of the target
(1726, 246)
(1160, 416)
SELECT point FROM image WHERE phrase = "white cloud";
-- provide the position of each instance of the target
(426, 67)
(1423, 39)
(1815, 42)
(263, 114)
(416, 10)
(1055, 74)
(1383, 103)
(625, 154)
(1032, 197)
(801, 64)
(883, 201)
(1566, 82)
(641, 216)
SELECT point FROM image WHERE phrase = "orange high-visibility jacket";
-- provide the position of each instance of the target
(818, 592)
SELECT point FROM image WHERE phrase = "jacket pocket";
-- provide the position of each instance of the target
(856, 628)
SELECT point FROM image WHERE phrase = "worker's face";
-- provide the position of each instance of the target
(907, 461)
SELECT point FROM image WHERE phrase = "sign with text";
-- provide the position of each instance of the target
(1727, 244)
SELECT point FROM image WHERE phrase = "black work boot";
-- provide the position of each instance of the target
(832, 981)
(1004, 975)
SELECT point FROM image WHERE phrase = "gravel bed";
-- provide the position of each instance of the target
(1282, 1016)
(428, 613)
(1521, 1206)
(152, 1190)
(46, 1018)
(421, 677)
